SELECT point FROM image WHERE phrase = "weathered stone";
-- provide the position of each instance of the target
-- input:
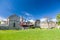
(14, 22)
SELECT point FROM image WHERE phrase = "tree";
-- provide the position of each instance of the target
(58, 19)
(48, 19)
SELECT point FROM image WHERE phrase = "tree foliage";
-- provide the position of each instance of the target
(58, 19)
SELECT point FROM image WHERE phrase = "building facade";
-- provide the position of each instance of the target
(48, 23)
(14, 22)
(37, 23)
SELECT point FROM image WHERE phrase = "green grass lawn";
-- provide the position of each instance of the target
(31, 34)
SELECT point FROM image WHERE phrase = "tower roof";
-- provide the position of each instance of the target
(13, 16)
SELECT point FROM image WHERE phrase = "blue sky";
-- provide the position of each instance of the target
(32, 9)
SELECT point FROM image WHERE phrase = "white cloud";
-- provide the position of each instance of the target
(31, 20)
(43, 19)
(28, 16)
(54, 19)
(26, 13)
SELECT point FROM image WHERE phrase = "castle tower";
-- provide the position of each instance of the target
(14, 22)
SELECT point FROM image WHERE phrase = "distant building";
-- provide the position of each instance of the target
(32, 21)
(3, 23)
(43, 24)
(21, 19)
(47, 23)
(52, 24)
(14, 22)
(37, 23)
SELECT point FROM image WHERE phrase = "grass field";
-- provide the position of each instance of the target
(31, 34)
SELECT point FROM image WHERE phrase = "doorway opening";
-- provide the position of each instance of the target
(13, 24)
